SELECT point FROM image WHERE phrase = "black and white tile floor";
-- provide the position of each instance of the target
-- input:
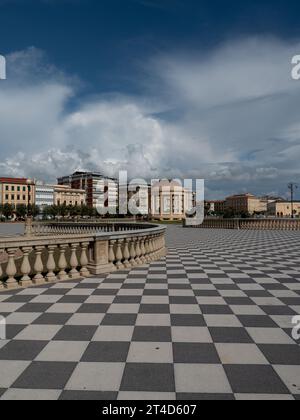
(211, 321)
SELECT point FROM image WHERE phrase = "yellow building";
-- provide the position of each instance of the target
(65, 195)
(246, 203)
(16, 191)
(283, 209)
(170, 201)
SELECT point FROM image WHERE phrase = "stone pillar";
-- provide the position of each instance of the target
(132, 252)
(11, 270)
(38, 266)
(51, 277)
(62, 263)
(119, 255)
(126, 254)
(28, 226)
(1, 271)
(25, 268)
(74, 274)
(101, 263)
(84, 272)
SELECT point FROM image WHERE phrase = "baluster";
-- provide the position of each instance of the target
(119, 255)
(143, 251)
(25, 268)
(156, 247)
(111, 252)
(38, 266)
(132, 252)
(62, 263)
(74, 274)
(11, 270)
(138, 251)
(151, 249)
(1, 271)
(84, 272)
(51, 277)
(126, 254)
(159, 245)
(147, 250)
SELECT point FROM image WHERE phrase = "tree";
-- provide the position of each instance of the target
(8, 210)
(229, 213)
(21, 211)
(63, 210)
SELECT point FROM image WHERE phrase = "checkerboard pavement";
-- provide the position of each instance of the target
(210, 321)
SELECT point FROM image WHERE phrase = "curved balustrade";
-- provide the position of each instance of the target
(251, 224)
(73, 228)
(58, 257)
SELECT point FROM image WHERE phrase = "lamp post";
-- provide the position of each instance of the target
(292, 187)
(28, 222)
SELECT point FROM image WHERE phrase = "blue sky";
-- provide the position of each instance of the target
(163, 88)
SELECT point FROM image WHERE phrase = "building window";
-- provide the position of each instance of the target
(6, 197)
(7, 188)
(13, 188)
(12, 197)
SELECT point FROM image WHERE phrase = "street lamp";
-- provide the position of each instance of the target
(292, 187)
(28, 222)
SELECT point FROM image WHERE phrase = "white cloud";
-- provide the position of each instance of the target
(230, 116)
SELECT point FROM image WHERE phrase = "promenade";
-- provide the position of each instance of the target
(212, 320)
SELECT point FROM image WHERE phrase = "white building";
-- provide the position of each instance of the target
(44, 196)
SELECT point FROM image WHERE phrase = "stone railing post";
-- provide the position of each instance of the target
(11, 270)
(84, 272)
(111, 252)
(101, 263)
(138, 251)
(62, 263)
(147, 250)
(74, 274)
(25, 268)
(51, 277)
(132, 252)
(38, 266)
(143, 250)
(126, 254)
(1, 271)
(119, 255)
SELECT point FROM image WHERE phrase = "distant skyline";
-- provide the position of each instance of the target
(166, 88)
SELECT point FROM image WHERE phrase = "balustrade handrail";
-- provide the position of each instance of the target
(251, 224)
(8, 242)
(59, 256)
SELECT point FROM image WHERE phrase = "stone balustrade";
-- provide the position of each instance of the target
(79, 253)
(62, 228)
(251, 224)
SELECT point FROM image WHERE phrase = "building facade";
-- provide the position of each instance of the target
(170, 201)
(246, 203)
(216, 206)
(101, 192)
(17, 191)
(67, 196)
(44, 196)
(284, 209)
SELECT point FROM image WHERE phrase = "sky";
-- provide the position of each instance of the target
(161, 88)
